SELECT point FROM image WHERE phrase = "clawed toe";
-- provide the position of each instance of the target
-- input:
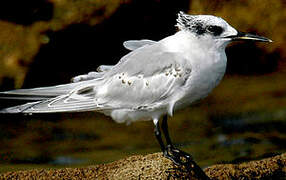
(177, 156)
(180, 158)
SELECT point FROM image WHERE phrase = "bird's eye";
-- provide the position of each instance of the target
(216, 30)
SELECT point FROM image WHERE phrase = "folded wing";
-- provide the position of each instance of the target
(145, 79)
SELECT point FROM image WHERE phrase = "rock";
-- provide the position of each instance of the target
(155, 166)
(269, 168)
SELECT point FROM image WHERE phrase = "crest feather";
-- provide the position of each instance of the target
(183, 20)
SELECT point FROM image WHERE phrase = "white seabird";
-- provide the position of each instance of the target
(153, 80)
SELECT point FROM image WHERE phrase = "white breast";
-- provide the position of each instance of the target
(208, 66)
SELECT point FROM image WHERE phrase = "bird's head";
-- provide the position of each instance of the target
(214, 29)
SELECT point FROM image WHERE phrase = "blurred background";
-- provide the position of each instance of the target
(47, 42)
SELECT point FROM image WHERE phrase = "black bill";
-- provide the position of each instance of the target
(247, 36)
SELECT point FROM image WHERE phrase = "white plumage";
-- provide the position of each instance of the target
(155, 78)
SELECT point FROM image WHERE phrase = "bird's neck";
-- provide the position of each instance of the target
(194, 48)
(208, 60)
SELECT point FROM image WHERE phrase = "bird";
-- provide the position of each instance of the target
(151, 82)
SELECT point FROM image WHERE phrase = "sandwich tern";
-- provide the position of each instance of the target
(152, 81)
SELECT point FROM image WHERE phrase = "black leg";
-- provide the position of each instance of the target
(158, 136)
(177, 156)
(166, 131)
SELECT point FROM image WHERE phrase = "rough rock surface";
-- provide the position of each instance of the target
(154, 166)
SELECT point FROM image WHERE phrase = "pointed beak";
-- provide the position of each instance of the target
(247, 36)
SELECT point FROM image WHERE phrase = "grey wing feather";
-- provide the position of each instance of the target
(135, 44)
(18, 109)
(92, 75)
(86, 77)
(80, 98)
(148, 61)
(148, 70)
(104, 68)
(59, 104)
(41, 93)
(130, 45)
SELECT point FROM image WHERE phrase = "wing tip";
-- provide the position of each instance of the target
(25, 108)
(10, 111)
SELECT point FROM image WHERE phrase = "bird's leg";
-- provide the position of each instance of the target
(158, 135)
(177, 156)
(166, 131)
